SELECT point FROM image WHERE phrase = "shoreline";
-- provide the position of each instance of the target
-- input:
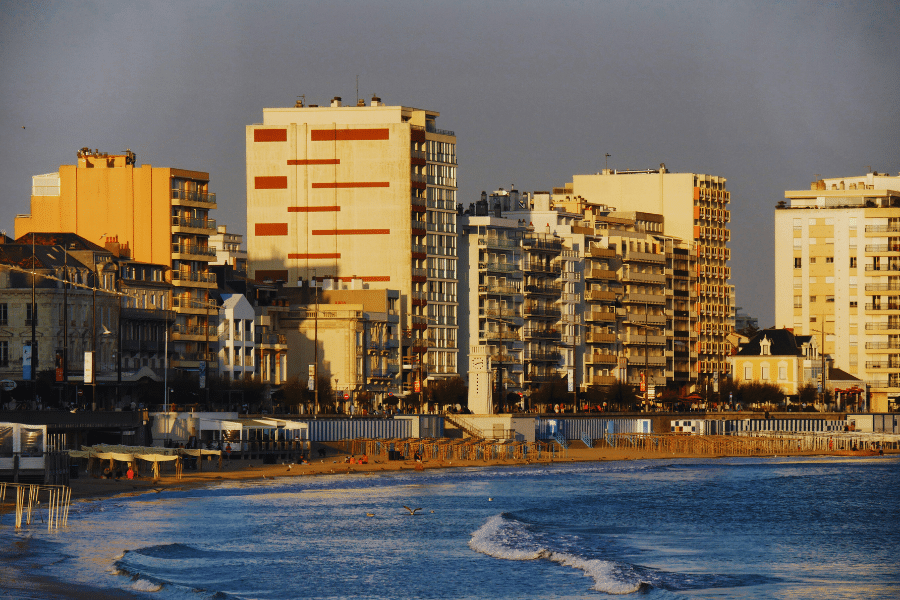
(88, 489)
(31, 581)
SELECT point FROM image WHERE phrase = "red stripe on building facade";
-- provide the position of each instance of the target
(271, 229)
(270, 135)
(332, 135)
(301, 256)
(315, 161)
(350, 231)
(270, 183)
(351, 184)
(303, 209)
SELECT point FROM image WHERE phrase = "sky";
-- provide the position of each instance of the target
(766, 94)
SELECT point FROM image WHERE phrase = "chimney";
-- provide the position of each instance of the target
(376, 101)
(336, 102)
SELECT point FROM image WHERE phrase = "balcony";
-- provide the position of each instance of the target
(633, 298)
(600, 315)
(194, 305)
(638, 276)
(271, 341)
(551, 357)
(499, 290)
(541, 312)
(501, 336)
(645, 319)
(497, 243)
(639, 339)
(603, 380)
(650, 361)
(598, 252)
(544, 244)
(533, 333)
(599, 338)
(600, 296)
(883, 326)
(882, 248)
(538, 267)
(647, 257)
(548, 289)
(882, 307)
(196, 333)
(498, 267)
(143, 346)
(206, 226)
(883, 287)
(600, 274)
(191, 197)
(182, 277)
(882, 364)
(192, 252)
(601, 359)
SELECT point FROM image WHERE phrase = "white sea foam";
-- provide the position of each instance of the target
(143, 585)
(511, 539)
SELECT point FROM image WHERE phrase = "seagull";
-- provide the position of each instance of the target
(289, 467)
(412, 511)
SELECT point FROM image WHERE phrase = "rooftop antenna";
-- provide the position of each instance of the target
(607, 160)
(357, 89)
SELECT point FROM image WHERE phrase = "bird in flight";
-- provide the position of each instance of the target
(412, 511)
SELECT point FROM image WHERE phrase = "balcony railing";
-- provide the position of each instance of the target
(499, 290)
(882, 287)
(495, 242)
(191, 276)
(882, 326)
(192, 222)
(193, 249)
(190, 196)
(883, 248)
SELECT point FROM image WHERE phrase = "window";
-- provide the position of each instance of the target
(853, 281)
(748, 373)
(798, 243)
(4, 314)
(4, 353)
(798, 263)
(798, 301)
(798, 223)
(829, 280)
(829, 298)
(765, 373)
(852, 222)
(829, 259)
(782, 373)
(852, 262)
(812, 221)
(853, 304)
(812, 298)
(31, 309)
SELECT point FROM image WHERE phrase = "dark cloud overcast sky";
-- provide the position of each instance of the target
(766, 94)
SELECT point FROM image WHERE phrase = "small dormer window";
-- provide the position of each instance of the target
(765, 347)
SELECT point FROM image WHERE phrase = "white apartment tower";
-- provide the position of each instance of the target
(837, 275)
(363, 192)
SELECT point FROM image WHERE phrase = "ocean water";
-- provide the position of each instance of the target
(726, 528)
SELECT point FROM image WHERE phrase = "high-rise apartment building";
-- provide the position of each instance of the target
(694, 208)
(837, 275)
(587, 293)
(160, 214)
(363, 192)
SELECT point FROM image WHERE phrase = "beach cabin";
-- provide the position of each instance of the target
(22, 451)
(267, 438)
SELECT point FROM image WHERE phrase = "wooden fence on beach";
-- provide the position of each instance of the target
(29, 499)
(756, 443)
(471, 449)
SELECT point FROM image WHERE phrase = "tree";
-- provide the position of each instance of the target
(448, 392)
(621, 396)
(552, 392)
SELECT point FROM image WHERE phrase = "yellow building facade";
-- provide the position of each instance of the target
(160, 215)
(837, 275)
(363, 192)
